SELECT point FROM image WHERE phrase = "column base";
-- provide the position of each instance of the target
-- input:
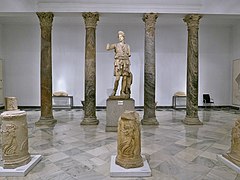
(149, 121)
(90, 121)
(192, 121)
(46, 122)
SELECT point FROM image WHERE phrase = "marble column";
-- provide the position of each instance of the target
(90, 20)
(46, 19)
(192, 22)
(149, 117)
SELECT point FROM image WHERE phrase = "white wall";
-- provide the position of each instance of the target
(21, 52)
(170, 62)
(68, 59)
(236, 41)
(1, 42)
(21, 45)
(215, 67)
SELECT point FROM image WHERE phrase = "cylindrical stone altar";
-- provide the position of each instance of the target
(234, 153)
(11, 103)
(129, 141)
(14, 139)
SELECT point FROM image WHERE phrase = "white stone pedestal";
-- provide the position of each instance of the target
(21, 170)
(115, 107)
(118, 171)
(228, 163)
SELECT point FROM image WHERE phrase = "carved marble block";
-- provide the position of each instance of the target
(11, 103)
(129, 141)
(234, 154)
(14, 139)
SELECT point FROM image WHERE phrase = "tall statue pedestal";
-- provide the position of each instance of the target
(115, 107)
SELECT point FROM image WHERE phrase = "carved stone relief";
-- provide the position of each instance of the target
(234, 153)
(14, 139)
(129, 141)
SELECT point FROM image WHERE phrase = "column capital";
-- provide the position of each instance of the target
(192, 20)
(90, 19)
(45, 18)
(150, 19)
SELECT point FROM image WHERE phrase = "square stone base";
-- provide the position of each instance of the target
(228, 163)
(22, 170)
(118, 171)
(115, 108)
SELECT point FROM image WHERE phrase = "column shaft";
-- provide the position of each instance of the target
(149, 117)
(90, 69)
(46, 20)
(192, 22)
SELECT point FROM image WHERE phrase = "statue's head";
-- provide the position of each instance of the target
(121, 35)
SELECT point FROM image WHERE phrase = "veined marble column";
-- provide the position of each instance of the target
(90, 69)
(192, 22)
(46, 19)
(149, 117)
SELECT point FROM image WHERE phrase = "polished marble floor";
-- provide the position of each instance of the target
(174, 151)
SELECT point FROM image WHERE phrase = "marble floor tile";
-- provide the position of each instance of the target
(57, 156)
(175, 151)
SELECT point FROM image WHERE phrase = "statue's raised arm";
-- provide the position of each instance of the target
(110, 46)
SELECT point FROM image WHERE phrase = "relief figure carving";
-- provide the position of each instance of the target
(9, 134)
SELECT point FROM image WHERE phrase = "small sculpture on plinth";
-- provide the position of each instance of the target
(11, 104)
(234, 154)
(129, 141)
(60, 93)
(121, 67)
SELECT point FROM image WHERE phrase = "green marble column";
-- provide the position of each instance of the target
(46, 19)
(90, 20)
(192, 22)
(149, 117)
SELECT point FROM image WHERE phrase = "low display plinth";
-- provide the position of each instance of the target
(118, 171)
(228, 163)
(115, 108)
(21, 170)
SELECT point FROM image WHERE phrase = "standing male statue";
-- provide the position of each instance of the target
(121, 66)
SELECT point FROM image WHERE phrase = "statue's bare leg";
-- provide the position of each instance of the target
(115, 85)
(124, 85)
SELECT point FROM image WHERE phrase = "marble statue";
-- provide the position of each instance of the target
(234, 153)
(129, 141)
(121, 66)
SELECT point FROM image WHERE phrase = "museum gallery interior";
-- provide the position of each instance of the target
(101, 89)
